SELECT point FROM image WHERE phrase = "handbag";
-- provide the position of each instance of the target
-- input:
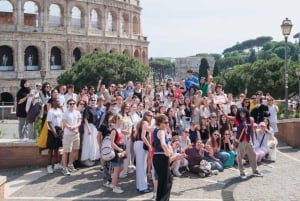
(42, 141)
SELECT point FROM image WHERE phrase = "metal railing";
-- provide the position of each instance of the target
(7, 105)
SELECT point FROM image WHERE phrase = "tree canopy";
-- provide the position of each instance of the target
(109, 67)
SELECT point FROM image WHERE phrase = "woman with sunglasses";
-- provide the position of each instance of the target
(90, 147)
(216, 156)
(161, 158)
(142, 147)
(228, 147)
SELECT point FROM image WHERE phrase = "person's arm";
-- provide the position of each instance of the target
(99, 139)
(143, 135)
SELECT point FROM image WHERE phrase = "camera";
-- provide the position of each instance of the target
(122, 155)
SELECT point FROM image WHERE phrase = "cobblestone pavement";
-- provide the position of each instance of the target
(281, 182)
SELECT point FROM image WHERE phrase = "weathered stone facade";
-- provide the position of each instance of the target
(59, 32)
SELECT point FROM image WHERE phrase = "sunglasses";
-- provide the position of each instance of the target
(92, 100)
(165, 122)
(71, 103)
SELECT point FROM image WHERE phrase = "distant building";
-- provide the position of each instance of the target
(182, 64)
(50, 35)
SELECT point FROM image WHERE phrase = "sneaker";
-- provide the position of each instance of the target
(66, 172)
(243, 175)
(256, 173)
(50, 169)
(71, 168)
(108, 184)
(177, 173)
(122, 176)
(58, 166)
(101, 168)
(117, 189)
(130, 171)
(215, 172)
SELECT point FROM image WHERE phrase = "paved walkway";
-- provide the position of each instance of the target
(281, 182)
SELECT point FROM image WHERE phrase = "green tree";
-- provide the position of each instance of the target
(109, 67)
(203, 68)
(162, 68)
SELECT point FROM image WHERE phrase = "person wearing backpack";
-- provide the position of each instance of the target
(103, 132)
(118, 145)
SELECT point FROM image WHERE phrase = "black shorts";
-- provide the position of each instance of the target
(53, 142)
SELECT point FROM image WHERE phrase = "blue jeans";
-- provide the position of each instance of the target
(223, 156)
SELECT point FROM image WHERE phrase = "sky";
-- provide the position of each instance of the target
(179, 28)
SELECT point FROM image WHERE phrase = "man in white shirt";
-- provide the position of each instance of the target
(71, 140)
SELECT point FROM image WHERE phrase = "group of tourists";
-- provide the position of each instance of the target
(175, 128)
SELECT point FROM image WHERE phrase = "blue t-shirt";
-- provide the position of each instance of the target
(188, 83)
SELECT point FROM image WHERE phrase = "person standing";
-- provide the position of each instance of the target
(54, 140)
(244, 138)
(71, 140)
(90, 148)
(22, 95)
(141, 149)
(161, 158)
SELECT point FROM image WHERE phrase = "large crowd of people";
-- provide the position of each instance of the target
(171, 129)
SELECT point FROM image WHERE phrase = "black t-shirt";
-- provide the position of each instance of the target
(21, 108)
(90, 114)
(104, 130)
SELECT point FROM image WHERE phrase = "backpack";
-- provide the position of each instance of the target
(107, 153)
(33, 112)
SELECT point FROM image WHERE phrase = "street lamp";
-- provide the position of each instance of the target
(298, 75)
(43, 74)
(286, 28)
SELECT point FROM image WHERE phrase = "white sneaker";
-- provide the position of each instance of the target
(108, 185)
(58, 166)
(117, 189)
(177, 173)
(122, 176)
(131, 171)
(50, 169)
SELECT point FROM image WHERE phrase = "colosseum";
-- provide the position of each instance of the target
(43, 38)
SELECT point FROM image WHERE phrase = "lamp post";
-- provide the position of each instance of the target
(286, 28)
(43, 74)
(298, 75)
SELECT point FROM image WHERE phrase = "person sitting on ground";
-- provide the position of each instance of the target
(227, 146)
(216, 156)
(195, 155)
(177, 160)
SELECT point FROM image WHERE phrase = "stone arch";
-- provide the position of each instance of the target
(6, 12)
(77, 53)
(124, 23)
(111, 21)
(126, 52)
(55, 16)
(96, 19)
(113, 50)
(6, 58)
(77, 17)
(56, 59)
(31, 58)
(137, 54)
(31, 14)
(7, 98)
(136, 25)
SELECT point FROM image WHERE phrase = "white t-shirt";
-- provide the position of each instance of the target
(71, 119)
(55, 116)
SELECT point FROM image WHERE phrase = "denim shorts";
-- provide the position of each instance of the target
(117, 163)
